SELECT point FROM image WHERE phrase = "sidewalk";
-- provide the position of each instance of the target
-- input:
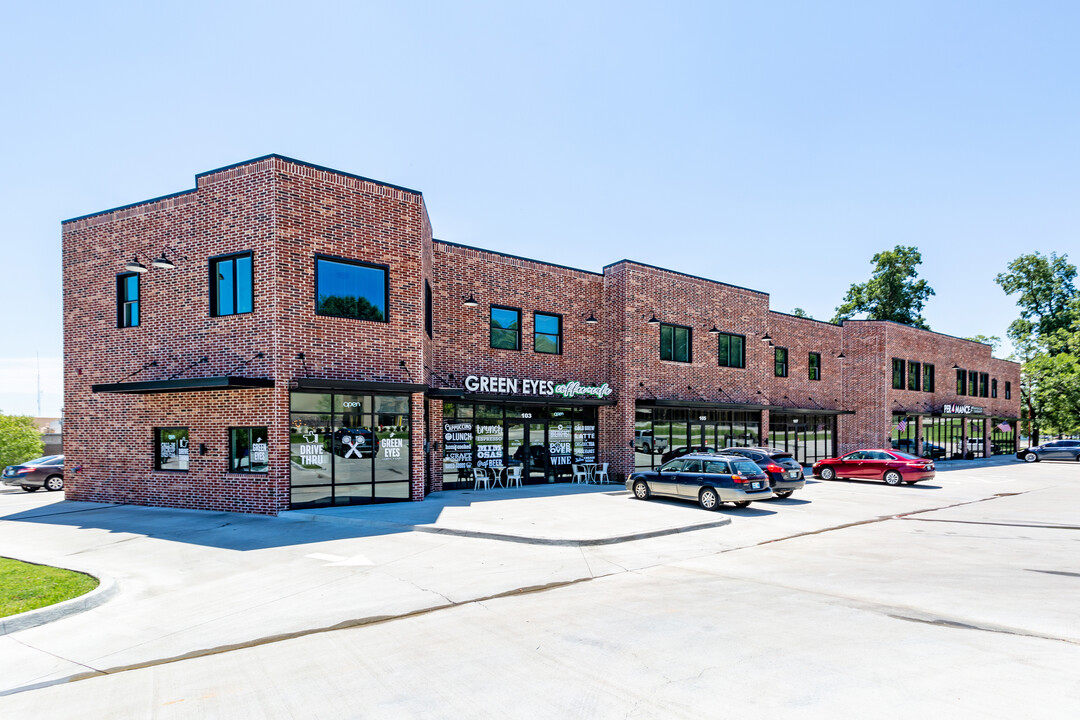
(556, 514)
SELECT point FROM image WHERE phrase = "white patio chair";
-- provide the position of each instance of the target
(481, 475)
(581, 474)
(601, 475)
(513, 476)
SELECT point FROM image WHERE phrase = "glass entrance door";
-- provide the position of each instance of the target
(702, 436)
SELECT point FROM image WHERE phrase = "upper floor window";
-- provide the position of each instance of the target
(993, 388)
(973, 383)
(914, 375)
(1008, 390)
(675, 343)
(815, 366)
(961, 382)
(780, 366)
(505, 328)
(547, 333)
(898, 370)
(984, 384)
(127, 300)
(230, 285)
(928, 377)
(350, 289)
(731, 350)
(429, 319)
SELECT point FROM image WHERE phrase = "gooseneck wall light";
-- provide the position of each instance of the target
(469, 301)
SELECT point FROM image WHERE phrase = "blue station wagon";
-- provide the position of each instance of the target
(711, 479)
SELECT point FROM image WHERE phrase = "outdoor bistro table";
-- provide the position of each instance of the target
(590, 469)
(497, 472)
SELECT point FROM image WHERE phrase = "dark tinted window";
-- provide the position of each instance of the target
(928, 378)
(717, 467)
(692, 466)
(780, 362)
(674, 343)
(428, 310)
(814, 364)
(914, 375)
(745, 466)
(898, 368)
(905, 456)
(673, 466)
(350, 289)
(731, 350)
(505, 328)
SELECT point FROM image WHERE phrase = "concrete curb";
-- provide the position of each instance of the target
(106, 590)
(525, 539)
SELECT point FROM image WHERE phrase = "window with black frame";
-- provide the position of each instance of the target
(127, 300)
(248, 450)
(505, 328)
(351, 289)
(898, 368)
(814, 365)
(914, 375)
(731, 350)
(961, 382)
(547, 333)
(780, 362)
(984, 384)
(171, 449)
(231, 285)
(1008, 390)
(928, 377)
(675, 343)
(993, 388)
(429, 312)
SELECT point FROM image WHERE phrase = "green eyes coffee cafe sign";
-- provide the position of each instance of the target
(540, 388)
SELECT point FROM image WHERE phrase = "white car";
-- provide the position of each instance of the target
(645, 442)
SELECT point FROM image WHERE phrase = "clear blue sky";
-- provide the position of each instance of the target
(776, 145)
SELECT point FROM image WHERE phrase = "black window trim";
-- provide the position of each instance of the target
(787, 361)
(899, 382)
(993, 388)
(157, 447)
(1008, 390)
(429, 310)
(961, 381)
(560, 334)
(689, 343)
(811, 365)
(120, 277)
(348, 261)
(743, 355)
(495, 306)
(928, 386)
(916, 375)
(211, 263)
(229, 441)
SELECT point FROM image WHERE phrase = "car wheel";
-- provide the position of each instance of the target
(30, 488)
(742, 504)
(641, 490)
(784, 493)
(892, 477)
(827, 473)
(1030, 457)
(54, 483)
(647, 449)
(708, 499)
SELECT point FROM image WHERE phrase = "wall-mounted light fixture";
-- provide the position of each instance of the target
(766, 338)
(841, 356)
(134, 265)
(203, 449)
(161, 261)
(714, 330)
(591, 320)
(469, 301)
(652, 320)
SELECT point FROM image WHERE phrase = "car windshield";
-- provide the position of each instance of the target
(905, 456)
(745, 466)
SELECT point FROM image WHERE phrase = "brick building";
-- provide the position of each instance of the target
(286, 335)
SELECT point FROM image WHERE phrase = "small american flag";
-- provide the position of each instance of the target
(1005, 427)
(902, 425)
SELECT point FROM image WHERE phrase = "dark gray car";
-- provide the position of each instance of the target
(45, 472)
(1056, 450)
(784, 471)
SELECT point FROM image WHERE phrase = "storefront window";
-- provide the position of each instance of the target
(171, 449)
(350, 289)
(807, 437)
(349, 449)
(248, 450)
(660, 432)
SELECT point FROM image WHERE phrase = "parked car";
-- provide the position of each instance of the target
(784, 471)
(645, 442)
(975, 447)
(710, 479)
(1056, 450)
(355, 442)
(892, 466)
(45, 472)
(930, 450)
(683, 450)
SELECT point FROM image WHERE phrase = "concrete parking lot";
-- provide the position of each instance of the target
(956, 597)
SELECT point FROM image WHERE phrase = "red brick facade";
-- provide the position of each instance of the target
(286, 213)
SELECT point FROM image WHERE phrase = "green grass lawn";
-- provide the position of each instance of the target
(24, 586)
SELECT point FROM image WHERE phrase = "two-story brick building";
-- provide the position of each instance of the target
(286, 335)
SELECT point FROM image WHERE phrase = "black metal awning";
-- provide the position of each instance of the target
(359, 386)
(780, 409)
(717, 405)
(205, 384)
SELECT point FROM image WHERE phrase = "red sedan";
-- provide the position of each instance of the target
(892, 466)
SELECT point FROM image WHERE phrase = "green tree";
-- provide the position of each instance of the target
(19, 440)
(799, 312)
(892, 292)
(992, 340)
(1047, 339)
(1047, 298)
